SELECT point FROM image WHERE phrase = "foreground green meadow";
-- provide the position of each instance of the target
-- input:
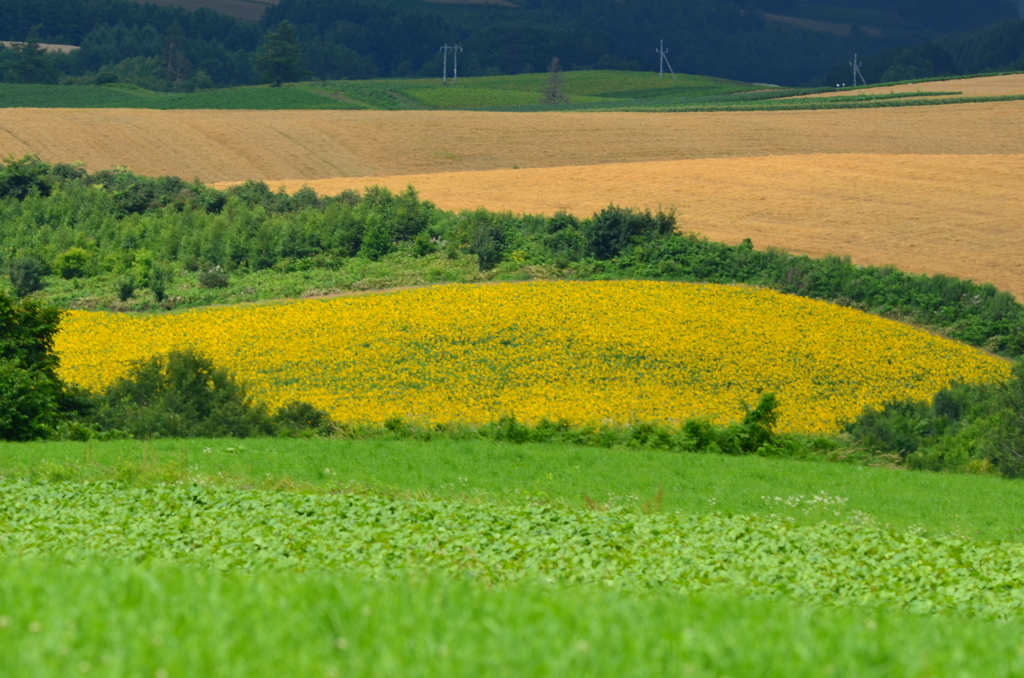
(267, 557)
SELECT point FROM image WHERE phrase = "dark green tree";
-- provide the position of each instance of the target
(1008, 446)
(279, 58)
(26, 274)
(30, 391)
(32, 65)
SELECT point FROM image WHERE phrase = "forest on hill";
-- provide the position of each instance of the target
(168, 48)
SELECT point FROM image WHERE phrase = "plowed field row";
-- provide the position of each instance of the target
(952, 214)
(238, 145)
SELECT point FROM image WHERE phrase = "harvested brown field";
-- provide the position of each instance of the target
(953, 214)
(219, 145)
(991, 86)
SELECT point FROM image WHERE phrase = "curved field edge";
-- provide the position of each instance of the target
(597, 352)
(130, 620)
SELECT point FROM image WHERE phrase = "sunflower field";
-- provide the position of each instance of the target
(586, 352)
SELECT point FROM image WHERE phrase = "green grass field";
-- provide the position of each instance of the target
(121, 96)
(981, 508)
(124, 620)
(586, 90)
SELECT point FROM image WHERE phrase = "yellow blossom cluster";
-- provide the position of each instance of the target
(611, 352)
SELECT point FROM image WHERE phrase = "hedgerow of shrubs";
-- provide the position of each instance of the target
(137, 231)
(966, 428)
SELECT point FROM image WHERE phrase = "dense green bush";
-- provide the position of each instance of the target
(972, 428)
(1008, 439)
(72, 263)
(183, 394)
(30, 392)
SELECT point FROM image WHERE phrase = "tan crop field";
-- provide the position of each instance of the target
(953, 214)
(995, 85)
(237, 145)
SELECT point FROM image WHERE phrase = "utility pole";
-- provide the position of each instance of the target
(445, 48)
(455, 75)
(663, 61)
(856, 71)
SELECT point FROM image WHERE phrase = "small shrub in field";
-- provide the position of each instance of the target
(125, 287)
(302, 418)
(213, 278)
(159, 279)
(26, 275)
(72, 263)
(182, 394)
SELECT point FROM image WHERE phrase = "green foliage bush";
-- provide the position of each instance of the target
(28, 176)
(30, 392)
(72, 263)
(26, 275)
(302, 419)
(126, 287)
(181, 394)
(213, 278)
(614, 229)
(965, 428)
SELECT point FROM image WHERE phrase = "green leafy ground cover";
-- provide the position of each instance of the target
(932, 504)
(243, 530)
(129, 620)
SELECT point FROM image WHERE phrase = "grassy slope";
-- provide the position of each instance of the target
(115, 96)
(982, 508)
(58, 621)
(598, 90)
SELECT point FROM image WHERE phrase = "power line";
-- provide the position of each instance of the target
(455, 73)
(856, 71)
(663, 61)
(446, 48)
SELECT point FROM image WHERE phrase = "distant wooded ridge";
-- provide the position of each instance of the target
(784, 42)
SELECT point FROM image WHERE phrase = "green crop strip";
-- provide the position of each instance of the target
(243, 530)
(115, 619)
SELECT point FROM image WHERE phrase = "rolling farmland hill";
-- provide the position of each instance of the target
(930, 188)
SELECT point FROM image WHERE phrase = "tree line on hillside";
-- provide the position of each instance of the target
(168, 48)
(998, 48)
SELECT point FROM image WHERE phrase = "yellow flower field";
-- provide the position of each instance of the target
(583, 351)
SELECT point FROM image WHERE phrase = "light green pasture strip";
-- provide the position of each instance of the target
(982, 508)
(120, 620)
